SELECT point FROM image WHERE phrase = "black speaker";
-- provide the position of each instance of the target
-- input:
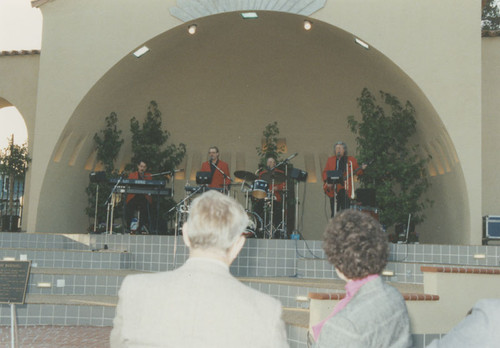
(98, 177)
(366, 197)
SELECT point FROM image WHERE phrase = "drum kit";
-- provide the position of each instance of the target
(263, 195)
(261, 198)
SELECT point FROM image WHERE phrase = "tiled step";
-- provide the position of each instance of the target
(297, 322)
(71, 281)
(45, 241)
(62, 310)
(63, 258)
(293, 292)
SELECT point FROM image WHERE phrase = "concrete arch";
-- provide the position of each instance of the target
(18, 87)
(232, 78)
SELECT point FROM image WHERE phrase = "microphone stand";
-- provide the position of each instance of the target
(108, 203)
(178, 211)
(285, 194)
(224, 175)
(172, 173)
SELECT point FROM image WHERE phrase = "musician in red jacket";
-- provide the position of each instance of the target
(344, 163)
(214, 165)
(139, 202)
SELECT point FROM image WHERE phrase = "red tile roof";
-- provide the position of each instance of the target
(19, 53)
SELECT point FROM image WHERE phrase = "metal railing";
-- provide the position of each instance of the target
(11, 219)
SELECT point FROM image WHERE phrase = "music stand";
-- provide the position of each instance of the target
(333, 176)
(203, 178)
(298, 174)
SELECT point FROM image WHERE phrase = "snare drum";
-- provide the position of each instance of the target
(259, 189)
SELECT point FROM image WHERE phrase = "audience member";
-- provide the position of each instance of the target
(479, 329)
(200, 304)
(373, 313)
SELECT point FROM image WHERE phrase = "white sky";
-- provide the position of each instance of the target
(20, 29)
(20, 25)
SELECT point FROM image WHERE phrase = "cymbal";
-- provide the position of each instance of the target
(244, 175)
(277, 176)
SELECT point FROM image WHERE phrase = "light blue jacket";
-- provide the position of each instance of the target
(479, 329)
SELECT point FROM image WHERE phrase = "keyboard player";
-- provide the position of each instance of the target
(139, 202)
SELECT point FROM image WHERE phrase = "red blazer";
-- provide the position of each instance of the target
(278, 187)
(135, 175)
(218, 178)
(331, 164)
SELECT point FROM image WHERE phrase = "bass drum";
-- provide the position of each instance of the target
(254, 226)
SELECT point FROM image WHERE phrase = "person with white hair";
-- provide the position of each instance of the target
(200, 304)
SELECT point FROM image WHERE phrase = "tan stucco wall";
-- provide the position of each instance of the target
(18, 87)
(437, 43)
(490, 142)
(97, 35)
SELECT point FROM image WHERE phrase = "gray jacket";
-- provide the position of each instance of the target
(375, 317)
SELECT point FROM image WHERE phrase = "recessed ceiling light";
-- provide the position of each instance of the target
(192, 29)
(44, 285)
(249, 15)
(307, 25)
(362, 43)
(141, 51)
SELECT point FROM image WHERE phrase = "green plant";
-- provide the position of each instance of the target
(490, 19)
(270, 145)
(149, 143)
(397, 173)
(108, 143)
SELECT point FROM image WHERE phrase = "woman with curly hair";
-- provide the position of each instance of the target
(373, 313)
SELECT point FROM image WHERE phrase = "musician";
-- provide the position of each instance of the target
(214, 165)
(139, 202)
(268, 173)
(341, 161)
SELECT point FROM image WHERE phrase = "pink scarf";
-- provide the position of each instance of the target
(351, 288)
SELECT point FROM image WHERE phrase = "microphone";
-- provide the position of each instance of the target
(292, 156)
(338, 154)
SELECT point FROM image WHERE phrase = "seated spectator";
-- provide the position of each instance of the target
(372, 314)
(479, 329)
(200, 304)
